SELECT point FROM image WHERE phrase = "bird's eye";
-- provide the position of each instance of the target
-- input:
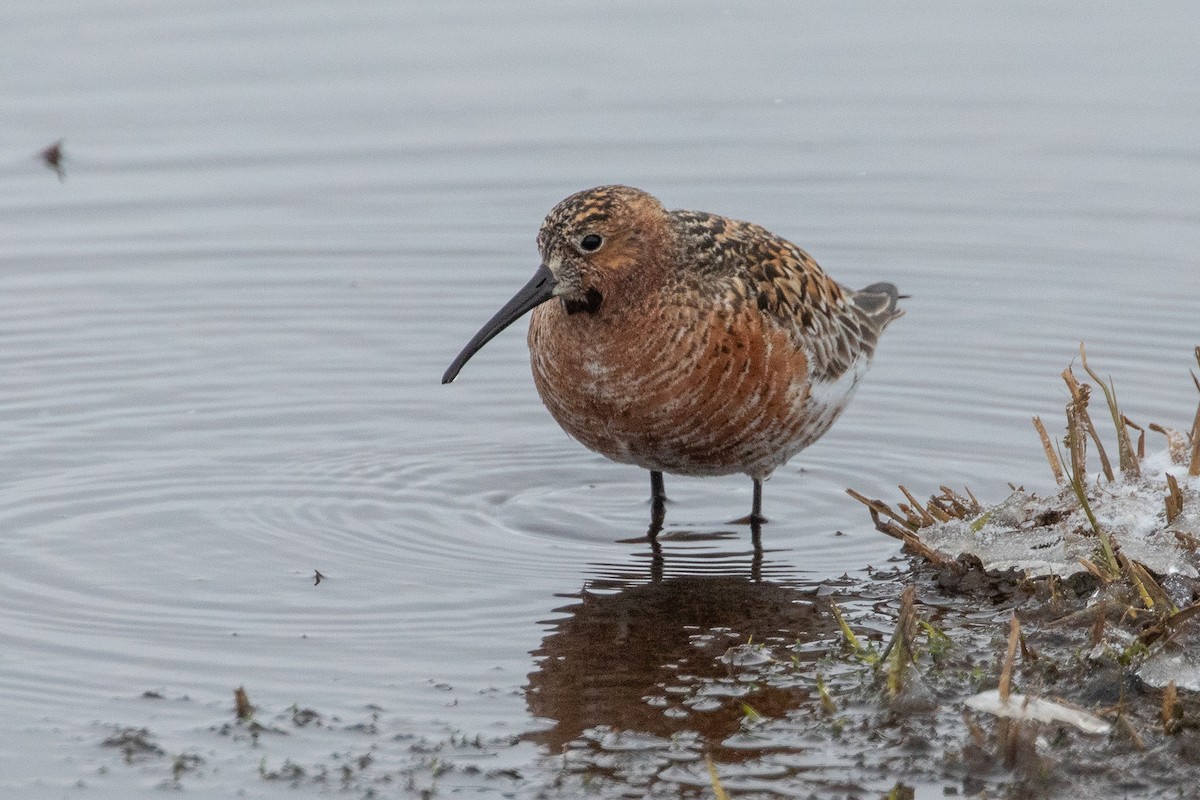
(591, 242)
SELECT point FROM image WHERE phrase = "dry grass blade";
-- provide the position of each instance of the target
(1158, 630)
(1134, 737)
(1194, 462)
(926, 519)
(1098, 625)
(241, 704)
(1106, 545)
(899, 655)
(1081, 395)
(977, 734)
(941, 515)
(1169, 708)
(1010, 657)
(1129, 463)
(1174, 499)
(905, 534)
(914, 543)
(1187, 541)
(1152, 594)
(718, 790)
(878, 506)
(1055, 465)
(957, 505)
(1095, 571)
(1177, 443)
(1076, 444)
(1028, 654)
(1141, 448)
(1194, 465)
(890, 528)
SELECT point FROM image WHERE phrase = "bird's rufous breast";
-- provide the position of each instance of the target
(675, 384)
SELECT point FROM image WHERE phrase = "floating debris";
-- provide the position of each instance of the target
(184, 764)
(241, 704)
(52, 156)
(135, 744)
(1035, 709)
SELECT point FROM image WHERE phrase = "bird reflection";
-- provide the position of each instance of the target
(658, 516)
(651, 631)
(658, 559)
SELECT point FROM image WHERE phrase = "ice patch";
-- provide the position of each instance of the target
(1019, 706)
(1050, 536)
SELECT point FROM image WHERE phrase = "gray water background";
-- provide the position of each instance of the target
(221, 335)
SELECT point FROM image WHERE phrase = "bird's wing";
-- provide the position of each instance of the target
(836, 326)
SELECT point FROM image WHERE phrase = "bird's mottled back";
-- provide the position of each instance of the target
(753, 265)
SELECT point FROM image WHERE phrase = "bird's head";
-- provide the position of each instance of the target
(595, 244)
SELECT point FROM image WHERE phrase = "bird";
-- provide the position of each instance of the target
(687, 343)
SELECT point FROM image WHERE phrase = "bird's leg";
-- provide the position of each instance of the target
(756, 560)
(658, 493)
(657, 561)
(658, 504)
(755, 517)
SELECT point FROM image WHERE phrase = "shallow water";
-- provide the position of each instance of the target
(222, 335)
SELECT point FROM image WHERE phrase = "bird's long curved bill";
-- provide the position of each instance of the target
(539, 289)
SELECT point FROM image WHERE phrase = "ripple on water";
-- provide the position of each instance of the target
(186, 447)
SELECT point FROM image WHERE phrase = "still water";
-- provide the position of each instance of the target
(221, 337)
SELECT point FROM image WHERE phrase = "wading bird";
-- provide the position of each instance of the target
(686, 342)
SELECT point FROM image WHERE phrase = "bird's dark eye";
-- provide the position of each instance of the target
(591, 242)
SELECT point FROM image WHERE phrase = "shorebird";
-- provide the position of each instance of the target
(686, 342)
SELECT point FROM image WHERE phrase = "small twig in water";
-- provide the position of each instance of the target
(1010, 657)
(1169, 718)
(241, 704)
(718, 790)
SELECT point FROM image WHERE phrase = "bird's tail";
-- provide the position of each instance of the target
(878, 301)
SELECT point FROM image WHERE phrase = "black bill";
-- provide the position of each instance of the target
(539, 289)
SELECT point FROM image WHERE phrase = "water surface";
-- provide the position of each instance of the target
(221, 338)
